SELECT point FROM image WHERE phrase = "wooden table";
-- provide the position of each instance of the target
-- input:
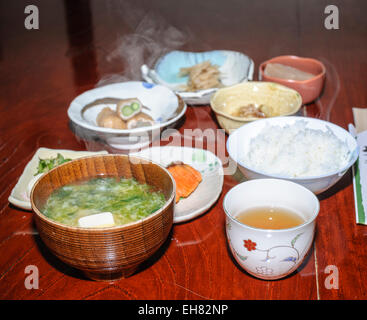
(80, 44)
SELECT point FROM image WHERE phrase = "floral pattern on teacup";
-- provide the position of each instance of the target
(294, 256)
(249, 245)
(264, 270)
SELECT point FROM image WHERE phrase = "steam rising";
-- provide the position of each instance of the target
(152, 38)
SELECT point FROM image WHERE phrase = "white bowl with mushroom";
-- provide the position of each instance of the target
(127, 115)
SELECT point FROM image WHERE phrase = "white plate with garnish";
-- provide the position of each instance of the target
(205, 162)
(43, 160)
(197, 87)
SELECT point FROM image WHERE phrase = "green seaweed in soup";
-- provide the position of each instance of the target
(127, 200)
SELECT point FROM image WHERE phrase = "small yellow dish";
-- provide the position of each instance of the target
(271, 99)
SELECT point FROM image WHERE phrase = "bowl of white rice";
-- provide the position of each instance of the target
(308, 151)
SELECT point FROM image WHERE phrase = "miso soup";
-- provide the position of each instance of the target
(127, 200)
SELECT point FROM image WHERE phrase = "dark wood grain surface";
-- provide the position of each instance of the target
(83, 44)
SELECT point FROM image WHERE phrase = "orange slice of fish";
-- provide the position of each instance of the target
(187, 179)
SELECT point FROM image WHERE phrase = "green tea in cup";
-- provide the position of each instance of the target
(269, 217)
(270, 226)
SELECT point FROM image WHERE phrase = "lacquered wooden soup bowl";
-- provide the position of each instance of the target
(113, 252)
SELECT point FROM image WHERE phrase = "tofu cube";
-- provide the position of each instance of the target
(98, 220)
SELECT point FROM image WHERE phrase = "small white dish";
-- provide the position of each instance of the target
(164, 106)
(208, 164)
(234, 67)
(238, 145)
(18, 195)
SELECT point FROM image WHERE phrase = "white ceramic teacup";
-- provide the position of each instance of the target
(270, 254)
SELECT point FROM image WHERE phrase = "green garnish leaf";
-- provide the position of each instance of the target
(45, 165)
